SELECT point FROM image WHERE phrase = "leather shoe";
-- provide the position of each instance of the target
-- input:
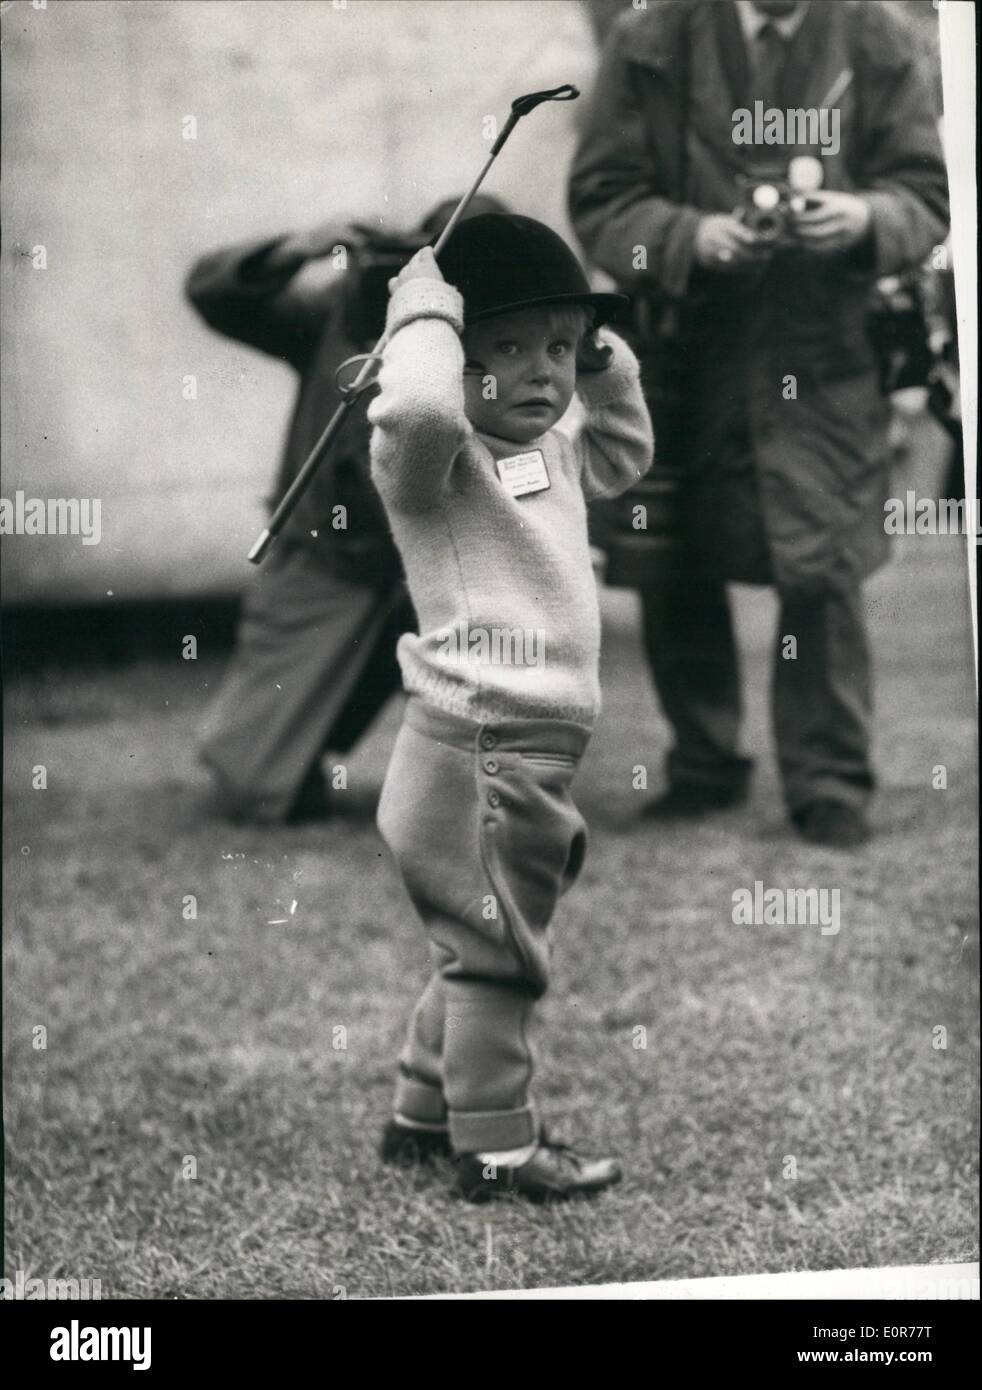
(685, 802)
(554, 1173)
(832, 823)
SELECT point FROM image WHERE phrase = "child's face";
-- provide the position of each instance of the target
(525, 363)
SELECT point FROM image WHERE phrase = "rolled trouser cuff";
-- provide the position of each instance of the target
(482, 1131)
(418, 1101)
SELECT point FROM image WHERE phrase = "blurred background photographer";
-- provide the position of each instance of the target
(750, 313)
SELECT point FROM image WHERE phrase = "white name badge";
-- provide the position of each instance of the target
(523, 473)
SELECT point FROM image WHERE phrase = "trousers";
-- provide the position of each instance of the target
(821, 696)
(482, 825)
(315, 662)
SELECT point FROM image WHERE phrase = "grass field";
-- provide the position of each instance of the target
(216, 1040)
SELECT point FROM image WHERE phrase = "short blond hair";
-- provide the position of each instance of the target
(576, 319)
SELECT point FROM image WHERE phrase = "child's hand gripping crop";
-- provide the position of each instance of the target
(422, 266)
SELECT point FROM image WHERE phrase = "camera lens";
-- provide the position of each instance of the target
(766, 197)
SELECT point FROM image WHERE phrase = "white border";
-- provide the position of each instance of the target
(958, 70)
(952, 1282)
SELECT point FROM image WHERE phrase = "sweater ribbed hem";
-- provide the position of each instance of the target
(483, 707)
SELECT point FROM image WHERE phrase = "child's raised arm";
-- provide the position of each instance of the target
(418, 416)
(614, 444)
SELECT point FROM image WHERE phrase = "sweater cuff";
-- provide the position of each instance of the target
(424, 299)
(597, 389)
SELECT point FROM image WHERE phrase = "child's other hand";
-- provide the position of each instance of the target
(423, 266)
(593, 355)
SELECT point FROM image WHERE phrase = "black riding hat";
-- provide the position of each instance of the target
(501, 262)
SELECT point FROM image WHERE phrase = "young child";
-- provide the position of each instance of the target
(486, 501)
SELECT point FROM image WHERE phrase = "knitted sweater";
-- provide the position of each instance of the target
(503, 585)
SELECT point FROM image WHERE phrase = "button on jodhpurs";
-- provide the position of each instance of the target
(483, 828)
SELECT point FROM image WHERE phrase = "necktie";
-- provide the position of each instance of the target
(768, 66)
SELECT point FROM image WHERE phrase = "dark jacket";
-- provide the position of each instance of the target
(812, 470)
(237, 294)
